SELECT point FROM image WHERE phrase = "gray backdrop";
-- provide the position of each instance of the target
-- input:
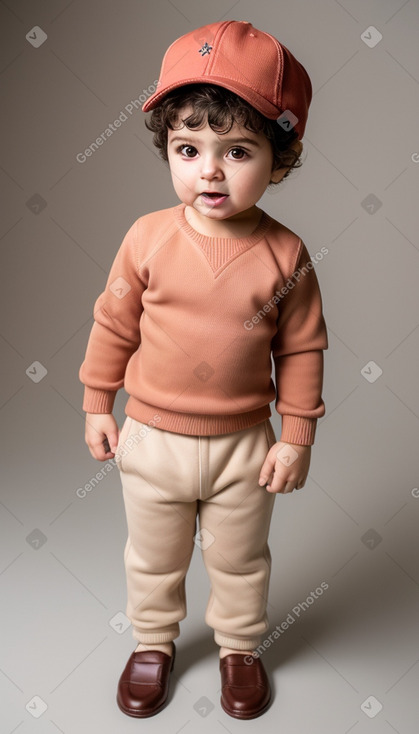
(348, 661)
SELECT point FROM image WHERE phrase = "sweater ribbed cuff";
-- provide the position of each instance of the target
(298, 430)
(98, 401)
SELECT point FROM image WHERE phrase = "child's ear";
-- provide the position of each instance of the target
(279, 173)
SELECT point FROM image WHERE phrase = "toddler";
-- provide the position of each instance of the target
(200, 298)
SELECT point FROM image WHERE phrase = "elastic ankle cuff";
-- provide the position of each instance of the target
(236, 643)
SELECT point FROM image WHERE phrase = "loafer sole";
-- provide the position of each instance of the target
(247, 714)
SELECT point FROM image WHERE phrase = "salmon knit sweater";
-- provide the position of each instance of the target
(189, 325)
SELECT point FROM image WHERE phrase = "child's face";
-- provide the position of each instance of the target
(239, 170)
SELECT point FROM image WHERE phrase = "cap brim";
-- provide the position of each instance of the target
(260, 103)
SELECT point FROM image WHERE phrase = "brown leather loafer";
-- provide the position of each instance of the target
(245, 689)
(144, 685)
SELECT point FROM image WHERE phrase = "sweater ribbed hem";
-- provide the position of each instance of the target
(298, 430)
(98, 401)
(194, 424)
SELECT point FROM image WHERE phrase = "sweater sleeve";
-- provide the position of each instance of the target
(297, 351)
(115, 334)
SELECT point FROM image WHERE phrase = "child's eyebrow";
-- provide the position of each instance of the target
(235, 141)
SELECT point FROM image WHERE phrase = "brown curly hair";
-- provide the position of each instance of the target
(221, 108)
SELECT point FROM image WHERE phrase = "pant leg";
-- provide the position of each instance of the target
(158, 474)
(234, 524)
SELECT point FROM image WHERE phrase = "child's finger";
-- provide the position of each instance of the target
(266, 470)
(114, 440)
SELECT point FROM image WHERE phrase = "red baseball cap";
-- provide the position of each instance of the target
(253, 64)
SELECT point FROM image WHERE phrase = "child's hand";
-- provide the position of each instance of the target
(101, 434)
(289, 463)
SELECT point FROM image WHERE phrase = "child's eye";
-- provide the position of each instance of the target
(242, 153)
(187, 150)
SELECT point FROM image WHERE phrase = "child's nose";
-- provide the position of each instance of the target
(211, 166)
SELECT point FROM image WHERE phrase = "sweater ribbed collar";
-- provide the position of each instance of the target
(219, 251)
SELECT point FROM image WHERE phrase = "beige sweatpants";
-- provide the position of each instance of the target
(168, 479)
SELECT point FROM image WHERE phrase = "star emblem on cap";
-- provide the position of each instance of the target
(205, 49)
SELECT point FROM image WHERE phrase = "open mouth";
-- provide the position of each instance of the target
(214, 197)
